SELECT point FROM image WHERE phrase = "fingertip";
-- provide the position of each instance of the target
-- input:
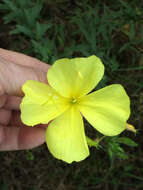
(20, 138)
(30, 137)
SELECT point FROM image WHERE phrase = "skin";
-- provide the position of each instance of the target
(15, 69)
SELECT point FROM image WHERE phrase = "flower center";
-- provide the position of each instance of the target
(73, 100)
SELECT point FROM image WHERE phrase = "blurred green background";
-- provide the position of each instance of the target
(48, 30)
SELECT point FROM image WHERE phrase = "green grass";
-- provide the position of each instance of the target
(48, 30)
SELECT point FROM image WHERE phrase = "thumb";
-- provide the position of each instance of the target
(13, 76)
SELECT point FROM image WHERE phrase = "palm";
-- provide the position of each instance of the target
(15, 69)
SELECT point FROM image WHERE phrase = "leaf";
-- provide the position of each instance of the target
(35, 11)
(9, 17)
(41, 29)
(3, 7)
(127, 141)
(11, 5)
(30, 155)
(91, 142)
(114, 150)
(22, 29)
(23, 4)
(124, 47)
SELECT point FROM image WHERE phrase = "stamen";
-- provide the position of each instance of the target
(73, 100)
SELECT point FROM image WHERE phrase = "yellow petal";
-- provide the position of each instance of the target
(41, 103)
(37, 90)
(107, 109)
(75, 77)
(65, 137)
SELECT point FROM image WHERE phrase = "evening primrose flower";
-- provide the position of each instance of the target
(67, 99)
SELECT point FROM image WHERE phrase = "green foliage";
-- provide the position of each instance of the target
(93, 143)
(127, 141)
(95, 33)
(3, 186)
(21, 12)
(27, 18)
(112, 145)
(30, 155)
(114, 149)
(95, 29)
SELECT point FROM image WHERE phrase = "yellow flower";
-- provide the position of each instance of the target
(66, 100)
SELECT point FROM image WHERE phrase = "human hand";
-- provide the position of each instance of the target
(15, 69)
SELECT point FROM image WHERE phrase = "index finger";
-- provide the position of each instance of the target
(22, 59)
(13, 76)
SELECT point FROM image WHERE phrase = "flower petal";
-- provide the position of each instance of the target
(37, 90)
(107, 109)
(75, 77)
(41, 103)
(65, 137)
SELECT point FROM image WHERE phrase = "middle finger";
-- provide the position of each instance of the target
(13, 103)
(5, 116)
